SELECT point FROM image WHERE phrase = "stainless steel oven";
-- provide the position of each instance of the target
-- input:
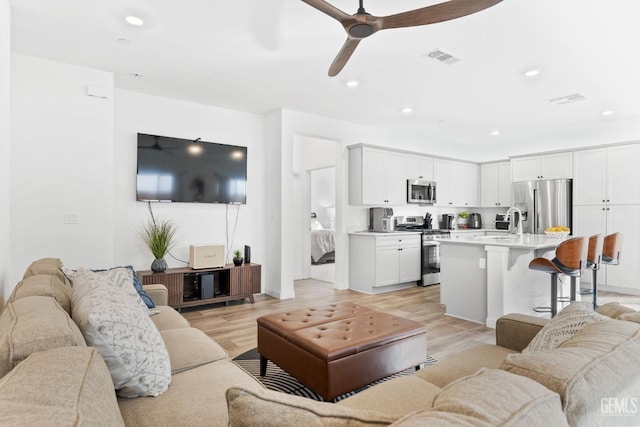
(431, 256)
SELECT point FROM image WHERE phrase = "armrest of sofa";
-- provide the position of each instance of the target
(158, 293)
(515, 331)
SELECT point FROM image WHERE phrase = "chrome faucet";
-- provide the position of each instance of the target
(512, 221)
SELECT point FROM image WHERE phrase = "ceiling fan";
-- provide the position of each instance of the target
(362, 24)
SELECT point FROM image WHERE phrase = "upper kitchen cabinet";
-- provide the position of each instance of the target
(377, 177)
(456, 183)
(590, 177)
(547, 166)
(495, 184)
(607, 175)
(419, 167)
(623, 174)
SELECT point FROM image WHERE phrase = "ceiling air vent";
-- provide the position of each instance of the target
(568, 99)
(442, 56)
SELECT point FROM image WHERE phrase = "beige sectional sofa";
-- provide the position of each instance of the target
(585, 371)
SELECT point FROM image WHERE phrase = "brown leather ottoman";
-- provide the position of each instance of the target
(341, 347)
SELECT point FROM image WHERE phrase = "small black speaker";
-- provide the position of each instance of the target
(247, 254)
(206, 286)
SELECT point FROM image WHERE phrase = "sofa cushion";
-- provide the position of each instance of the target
(631, 317)
(189, 348)
(34, 324)
(267, 408)
(614, 310)
(165, 317)
(115, 323)
(46, 266)
(196, 398)
(398, 396)
(599, 362)
(563, 326)
(492, 397)
(67, 386)
(464, 363)
(44, 285)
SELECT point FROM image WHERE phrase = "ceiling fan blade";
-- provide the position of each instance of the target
(330, 10)
(343, 56)
(436, 13)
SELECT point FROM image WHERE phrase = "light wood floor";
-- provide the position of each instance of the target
(234, 326)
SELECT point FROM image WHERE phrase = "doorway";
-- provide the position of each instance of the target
(322, 208)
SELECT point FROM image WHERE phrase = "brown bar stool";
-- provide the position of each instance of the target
(611, 252)
(571, 257)
(594, 257)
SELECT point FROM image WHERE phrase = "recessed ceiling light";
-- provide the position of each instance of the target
(134, 20)
(495, 133)
(607, 112)
(352, 83)
(124, 41)
(531, 73)
(407, 110)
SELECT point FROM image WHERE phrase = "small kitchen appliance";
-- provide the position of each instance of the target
(447, 221)
(421, 192)
(475, 220)
(502, 221)
(381, 220)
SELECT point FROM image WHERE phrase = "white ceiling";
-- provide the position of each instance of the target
(261, 55)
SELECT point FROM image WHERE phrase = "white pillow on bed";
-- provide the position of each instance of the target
(315, 224)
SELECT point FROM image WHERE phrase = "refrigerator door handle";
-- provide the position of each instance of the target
(536, 214)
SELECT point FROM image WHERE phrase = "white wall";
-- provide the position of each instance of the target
(323, 194)
(5, 142)
(61, 162)
(197, 223)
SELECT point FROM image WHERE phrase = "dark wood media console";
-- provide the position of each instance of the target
(189, 287)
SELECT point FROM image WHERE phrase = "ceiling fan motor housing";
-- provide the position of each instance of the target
(361, 31)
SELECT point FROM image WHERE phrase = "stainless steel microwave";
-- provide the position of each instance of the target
(421, 191)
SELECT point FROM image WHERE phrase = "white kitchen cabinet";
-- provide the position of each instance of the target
(623, 174)
(495, 184)
(456, 183)
(590, 177)
(377, 177)
(419, 167)
(381, 262)
(607, 219)
(547, 166)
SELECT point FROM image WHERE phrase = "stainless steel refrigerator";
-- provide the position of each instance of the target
(544, 204)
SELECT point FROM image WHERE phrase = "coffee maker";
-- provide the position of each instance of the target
(381, 220)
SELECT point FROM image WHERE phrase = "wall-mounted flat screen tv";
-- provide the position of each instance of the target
(183, 170)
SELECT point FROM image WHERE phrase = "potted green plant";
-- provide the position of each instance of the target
(463, 219)
(159, 236)
(237, 258)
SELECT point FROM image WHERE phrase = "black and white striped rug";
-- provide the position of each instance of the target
(278, 380)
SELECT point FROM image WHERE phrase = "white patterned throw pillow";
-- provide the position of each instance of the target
(113, 322)
(563, 326)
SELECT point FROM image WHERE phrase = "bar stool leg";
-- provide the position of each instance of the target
(554, 294)
(595, 288)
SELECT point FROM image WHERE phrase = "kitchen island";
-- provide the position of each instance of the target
(485, 277)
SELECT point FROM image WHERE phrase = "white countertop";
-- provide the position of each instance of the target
(525, 241)
(381, 233)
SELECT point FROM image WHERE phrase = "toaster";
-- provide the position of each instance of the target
(502, 222)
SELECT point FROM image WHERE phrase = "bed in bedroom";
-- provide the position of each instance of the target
(323, 243)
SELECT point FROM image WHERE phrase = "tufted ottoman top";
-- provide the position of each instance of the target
(339, 330)
(284, 323)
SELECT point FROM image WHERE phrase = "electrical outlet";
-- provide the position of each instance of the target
(482, 263)
(71, 217)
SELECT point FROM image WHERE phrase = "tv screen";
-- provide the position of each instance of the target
(183, 170)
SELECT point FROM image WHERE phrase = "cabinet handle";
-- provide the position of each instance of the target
(399, 249)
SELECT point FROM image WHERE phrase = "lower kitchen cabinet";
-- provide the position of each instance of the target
(384, 262)
(607, 219)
